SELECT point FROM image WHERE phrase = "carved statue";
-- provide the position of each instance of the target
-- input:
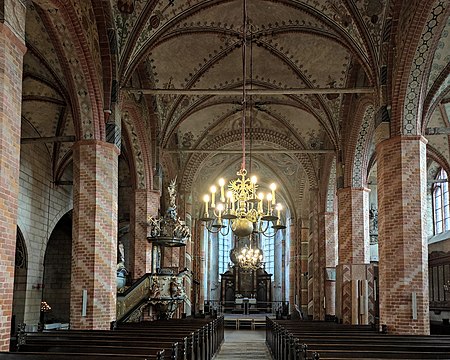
(155, 291)
(172, 188)
(373, 220)
(169, 225)
(121, 269)
(175, 288)
(172, 209)
(155, 225)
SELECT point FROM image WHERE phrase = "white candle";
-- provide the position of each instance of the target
(279, 207)
(229, 196)
(273, 188)
(260, 204)
(220, 208)
(206, 200)
(213, 190)
(269, 203)
(253, 179)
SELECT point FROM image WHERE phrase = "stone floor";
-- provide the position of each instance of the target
(244, 344)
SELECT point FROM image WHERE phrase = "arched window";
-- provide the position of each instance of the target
(224, 252)
(268, 247)
(441, 203)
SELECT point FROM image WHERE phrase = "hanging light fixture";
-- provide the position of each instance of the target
(250, 258)
(243, 208)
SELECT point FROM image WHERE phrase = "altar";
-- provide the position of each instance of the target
(246, 304)
(245, 292)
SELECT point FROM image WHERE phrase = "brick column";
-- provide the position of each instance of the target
(354, 250)
(12, 49)
(403, 262)
(294, 268)
(146, 203)
(317, 275)
(94, 247)
(304, 254)
(201, 257)
(330, 234)
(321, 262)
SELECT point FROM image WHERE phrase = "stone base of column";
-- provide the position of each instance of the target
(355, 300)
(330, 298)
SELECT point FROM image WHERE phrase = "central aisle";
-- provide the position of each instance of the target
(244, 344)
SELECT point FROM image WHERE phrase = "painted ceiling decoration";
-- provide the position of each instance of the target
(180, 63)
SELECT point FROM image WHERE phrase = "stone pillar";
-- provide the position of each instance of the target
(314, 243)
(403, 265)
(94, 247)
(330, 236)
(201, 265)
(146, 203)
(321, 253)
(213, 279)
(185, 213)
(277, 293)
(294, 265)
(12, 49)
(304, 255)
(354, 251)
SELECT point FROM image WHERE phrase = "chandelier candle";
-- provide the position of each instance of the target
(242, 210)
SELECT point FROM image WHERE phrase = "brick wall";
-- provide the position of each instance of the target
(94, 249)
(403, 266)
(11, 59)
(41, 206)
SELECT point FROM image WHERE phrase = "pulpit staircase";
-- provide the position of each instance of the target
(165, 292)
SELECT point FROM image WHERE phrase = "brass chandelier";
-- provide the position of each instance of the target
(250, 258)
(243, 208)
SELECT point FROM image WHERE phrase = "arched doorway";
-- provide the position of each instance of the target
(20, 281)
(57, 272)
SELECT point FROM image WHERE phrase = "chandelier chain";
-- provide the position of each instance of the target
(244, 208)
(244, 79)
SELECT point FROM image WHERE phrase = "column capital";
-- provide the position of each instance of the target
(12, 16)
(400, 139)
(325, 213)
(352, 189)
(94, 142)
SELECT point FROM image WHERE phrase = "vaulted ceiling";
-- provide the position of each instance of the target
(167, 50)
(290, 45)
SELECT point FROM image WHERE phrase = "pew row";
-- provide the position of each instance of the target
(302, 340)
(160, 340)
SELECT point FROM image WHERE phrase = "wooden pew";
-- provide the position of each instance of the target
(72, 356)
(314, 340)
(185, 340)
